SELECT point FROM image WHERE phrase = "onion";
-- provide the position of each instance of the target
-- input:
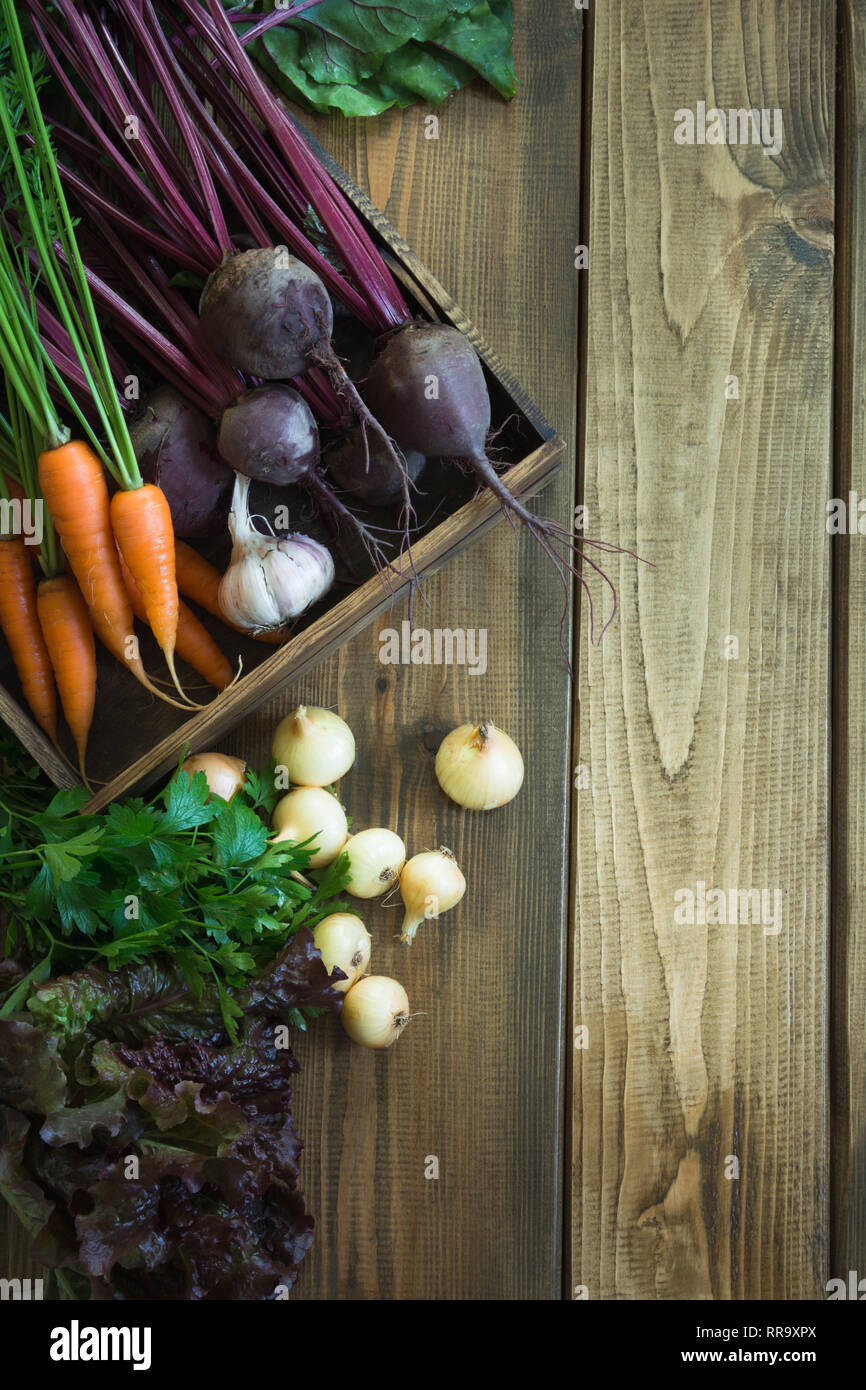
(315, 746)
(430, 884)
(375, 1011)
(375, 860)
(343, 943)
(225, 774)
(479, 766)
(309, 811)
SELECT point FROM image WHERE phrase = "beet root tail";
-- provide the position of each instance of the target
(549, 534)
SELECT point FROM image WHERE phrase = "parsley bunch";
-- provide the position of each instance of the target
(187, 875)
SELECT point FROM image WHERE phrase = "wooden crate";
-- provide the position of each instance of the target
(137, 739)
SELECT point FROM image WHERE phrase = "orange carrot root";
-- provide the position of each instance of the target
(141, 521)
(20, 623)
(73, 485)
(194, 643)
(68, 632)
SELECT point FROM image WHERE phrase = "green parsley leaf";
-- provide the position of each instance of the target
(239, 836)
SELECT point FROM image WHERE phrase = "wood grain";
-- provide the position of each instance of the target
(848, 957)
(705, 763)
(492, 208)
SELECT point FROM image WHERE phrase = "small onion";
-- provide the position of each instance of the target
(315, 746)
(375, 1011)
(225, 774)
(309, 811)
(375, 860)
(343, 942)
(430, 884)
(479, 766)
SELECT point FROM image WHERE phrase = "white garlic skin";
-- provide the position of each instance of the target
(270, 579)
(268, 584)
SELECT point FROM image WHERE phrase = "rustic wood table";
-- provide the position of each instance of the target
(630, 1092)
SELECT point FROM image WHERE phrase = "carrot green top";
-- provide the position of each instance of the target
(38, 250)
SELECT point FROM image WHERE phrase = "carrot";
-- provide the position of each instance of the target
(73, 485)
(20, 624)
(141, 521)
(68, 632)
(198, 579)
(194, 642)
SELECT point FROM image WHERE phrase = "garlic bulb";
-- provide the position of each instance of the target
(309, 811)
(479, 766)
(430, 884)
(343, 942)
(315, 746)
(375, 860)
(270, 578)
(375, 1011)
(225, 775)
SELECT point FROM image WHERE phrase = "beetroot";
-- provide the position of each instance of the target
(270, 434)
(176, 448)
(427, 387)
(365, 469)
(266, 313)
(269, 315)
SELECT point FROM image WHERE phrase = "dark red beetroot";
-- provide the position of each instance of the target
(270, 434)
(266, 313)
(269, 315)
(176, 448)
(367, 470)
(427, 387)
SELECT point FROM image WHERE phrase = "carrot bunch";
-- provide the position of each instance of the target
(50, 628)
(46, 624)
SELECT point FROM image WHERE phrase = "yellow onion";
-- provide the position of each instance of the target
(345, 944)
(375, 1011)
(430, 884)
(309, 811)
(225, 774)
(315, 746)
(479, 766)
(375, 860)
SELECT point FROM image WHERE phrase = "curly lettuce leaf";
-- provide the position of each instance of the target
(32, 1076)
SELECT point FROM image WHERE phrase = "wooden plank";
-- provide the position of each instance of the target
(703, 717)
(848, 1190)
(492, 208)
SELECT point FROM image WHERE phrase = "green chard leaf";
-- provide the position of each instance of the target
(363, 59)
